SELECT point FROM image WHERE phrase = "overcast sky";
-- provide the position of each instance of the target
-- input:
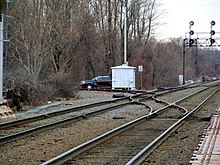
(181, 12)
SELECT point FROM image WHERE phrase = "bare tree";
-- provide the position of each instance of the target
(51, 41)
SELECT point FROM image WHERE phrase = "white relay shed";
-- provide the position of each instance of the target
(123, 77)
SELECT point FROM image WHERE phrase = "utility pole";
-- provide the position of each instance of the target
(2, 9)
(5, 110)
(1, 56)
(125, 32)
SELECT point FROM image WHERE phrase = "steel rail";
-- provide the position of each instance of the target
(37, 129)
(154, 95)
(147, 106)
(175, 105)
(184, 110)
(159, 100)
(187, 97)
(15, 136)
(137, 159)
(91, 143)
(53, 114)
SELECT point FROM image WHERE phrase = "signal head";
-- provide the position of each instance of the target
(212, 32)
(212, 23)
(191, 32)
(212, 41)
(191, 42)
(191, 23)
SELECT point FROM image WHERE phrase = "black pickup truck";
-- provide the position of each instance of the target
(97, 82)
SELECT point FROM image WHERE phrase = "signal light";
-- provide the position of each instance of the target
(212, 23)
(191, 23)
(212, 41)
(191, 42)
(191, 32)
(212, 32)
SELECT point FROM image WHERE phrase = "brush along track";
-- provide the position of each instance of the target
(122, 143)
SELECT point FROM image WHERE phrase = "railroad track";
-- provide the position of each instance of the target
(10, 131)
(62, 141)
(158, 124)
(20, 128)
(58, 113)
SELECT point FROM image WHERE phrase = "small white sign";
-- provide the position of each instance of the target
(181, 79)
(140, 68)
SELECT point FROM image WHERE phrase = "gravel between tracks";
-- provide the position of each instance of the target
(40, 147)
(179, 147)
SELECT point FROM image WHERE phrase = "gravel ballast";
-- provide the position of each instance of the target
(43, 146)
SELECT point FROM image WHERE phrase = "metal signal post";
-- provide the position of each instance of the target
(198, 42)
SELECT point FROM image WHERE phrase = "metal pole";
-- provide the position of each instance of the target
(184, 52)
(141, 80)
(1, 57)
(125, 33)
(6, 37)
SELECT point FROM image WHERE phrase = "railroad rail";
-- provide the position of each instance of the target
(168, 126)
(137, 94)
(123, 114)
(148, 149)
(137, 98)
(56, 123)
(57, 113)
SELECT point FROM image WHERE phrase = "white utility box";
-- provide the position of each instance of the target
(123, 77)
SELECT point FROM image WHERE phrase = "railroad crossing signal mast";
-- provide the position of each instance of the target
(200, 40)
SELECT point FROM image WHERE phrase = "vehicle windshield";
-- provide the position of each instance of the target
(101, 78)
(97, 78)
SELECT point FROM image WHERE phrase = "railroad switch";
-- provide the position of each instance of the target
(5, 111)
